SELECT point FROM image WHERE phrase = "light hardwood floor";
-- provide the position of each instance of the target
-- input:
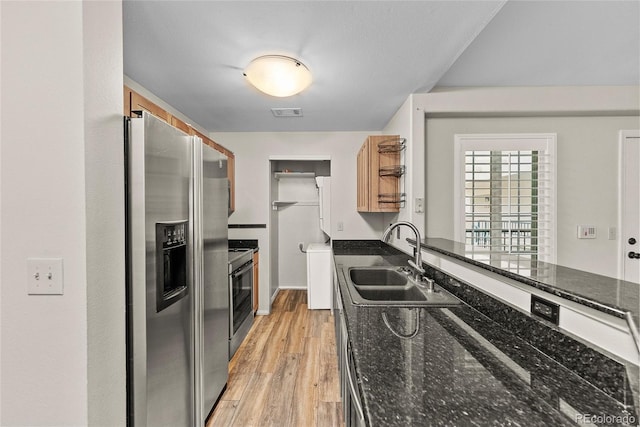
(285, 373)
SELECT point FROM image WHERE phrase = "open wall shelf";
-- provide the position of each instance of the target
(277, 203)
(280, 175)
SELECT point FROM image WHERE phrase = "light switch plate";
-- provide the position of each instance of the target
(586, 232)
(44, 276)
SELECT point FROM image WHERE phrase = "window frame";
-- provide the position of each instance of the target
(545, 142)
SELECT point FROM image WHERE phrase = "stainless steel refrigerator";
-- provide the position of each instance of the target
(177, 275)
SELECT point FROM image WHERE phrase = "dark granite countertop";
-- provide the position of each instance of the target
(602, 293)
(461, 368)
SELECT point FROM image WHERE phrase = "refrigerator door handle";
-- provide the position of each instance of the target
(197, 273)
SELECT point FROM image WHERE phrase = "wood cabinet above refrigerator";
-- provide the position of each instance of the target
(133, 101)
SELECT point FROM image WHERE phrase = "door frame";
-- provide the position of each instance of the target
(622, 249)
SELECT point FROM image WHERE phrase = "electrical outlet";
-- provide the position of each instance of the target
(612, 233)
(340, 226)
(419, 205)
(44, 276)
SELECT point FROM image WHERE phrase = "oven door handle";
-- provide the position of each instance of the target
(248, 266)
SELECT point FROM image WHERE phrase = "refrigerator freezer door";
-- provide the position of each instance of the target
(215, 286)
(160, 338)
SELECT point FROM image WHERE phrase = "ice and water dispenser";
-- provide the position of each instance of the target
(171, 263)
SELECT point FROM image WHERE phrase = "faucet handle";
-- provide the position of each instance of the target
(430, 284)
(425, 283)
(416, 267)
(404, 270)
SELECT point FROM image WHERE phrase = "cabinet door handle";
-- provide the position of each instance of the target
(353, 393)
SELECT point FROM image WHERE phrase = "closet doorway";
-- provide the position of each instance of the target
(295, 218)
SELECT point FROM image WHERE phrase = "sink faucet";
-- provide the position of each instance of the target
(417, 263)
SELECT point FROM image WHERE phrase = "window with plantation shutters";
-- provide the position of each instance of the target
(505, 198)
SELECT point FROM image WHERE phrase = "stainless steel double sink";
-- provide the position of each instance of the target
(393, 286)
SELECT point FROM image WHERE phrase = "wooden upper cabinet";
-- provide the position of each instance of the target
(379, 170)
(177, 123)
(363, 178)
(127, 101)
(204, 137)
(138, 103)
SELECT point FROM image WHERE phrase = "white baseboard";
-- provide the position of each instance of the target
(299, 287)
(273, 297)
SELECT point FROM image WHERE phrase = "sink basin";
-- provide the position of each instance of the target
(378, 293)
(377, 277)
(393, 287)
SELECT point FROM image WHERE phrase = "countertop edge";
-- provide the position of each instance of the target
(611, 309)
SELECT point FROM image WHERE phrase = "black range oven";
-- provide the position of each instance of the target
(240, 297)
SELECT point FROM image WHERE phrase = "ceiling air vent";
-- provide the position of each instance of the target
(287, 112)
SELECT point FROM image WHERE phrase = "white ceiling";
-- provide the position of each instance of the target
(368, 56)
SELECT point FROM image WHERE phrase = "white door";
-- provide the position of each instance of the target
(630, 205)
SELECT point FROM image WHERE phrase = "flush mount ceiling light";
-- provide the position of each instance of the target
(278, 75)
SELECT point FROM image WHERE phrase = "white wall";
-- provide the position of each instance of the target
(587, 179)
(252, 151)
(297, 223)
(539, 100)
(586, 121)
(408, 122)
(1, 102)
(104, 191)
(61, 128)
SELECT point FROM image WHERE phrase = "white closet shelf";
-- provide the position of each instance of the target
(279, 175)
(277, 203)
